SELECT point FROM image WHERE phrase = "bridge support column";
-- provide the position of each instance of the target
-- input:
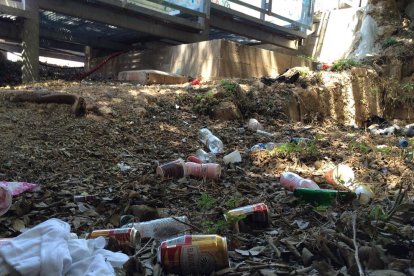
(30, 43)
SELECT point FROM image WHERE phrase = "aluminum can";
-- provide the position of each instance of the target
(251, 216)
(124, 236)
(194, 254)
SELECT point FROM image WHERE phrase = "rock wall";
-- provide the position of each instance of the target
(349, 98)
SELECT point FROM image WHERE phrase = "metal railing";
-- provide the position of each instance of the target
(274, 10)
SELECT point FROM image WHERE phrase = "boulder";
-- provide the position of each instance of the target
(226, 111)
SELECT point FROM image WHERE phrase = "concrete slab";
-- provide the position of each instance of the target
(208, 60)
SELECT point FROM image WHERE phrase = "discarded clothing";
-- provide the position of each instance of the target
(47, 249)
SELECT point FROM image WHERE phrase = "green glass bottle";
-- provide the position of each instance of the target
(323, 197)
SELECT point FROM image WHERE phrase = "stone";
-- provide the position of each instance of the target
(226, 111)
(140, 112)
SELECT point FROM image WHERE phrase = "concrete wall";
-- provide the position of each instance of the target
(208, 60)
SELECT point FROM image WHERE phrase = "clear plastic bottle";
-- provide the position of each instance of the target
(262, 146)
(211, 141)
(292, 181)
(205, 157)
(161, 229)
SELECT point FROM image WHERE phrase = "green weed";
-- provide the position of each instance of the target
(360, 147)
(388, 42)
(301, 150)
(215, 227)
(233, 202)
(344, 64)
(206, 202)
(229, 86)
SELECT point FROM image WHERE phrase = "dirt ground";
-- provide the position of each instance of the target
(143, 126)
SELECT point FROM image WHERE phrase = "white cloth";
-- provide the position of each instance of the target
(42, 250)
(47, 249)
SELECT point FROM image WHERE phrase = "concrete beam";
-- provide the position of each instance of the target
(13, 8)
(232, 26)
(11, 47)
(11, 31)
(30, 43)
(117, 17)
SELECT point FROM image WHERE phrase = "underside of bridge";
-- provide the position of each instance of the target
(68, 29)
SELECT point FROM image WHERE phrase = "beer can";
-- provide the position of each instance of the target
(194, 254)
(251, 216)
(124, 236)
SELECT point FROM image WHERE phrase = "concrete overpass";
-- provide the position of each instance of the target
(69, 28)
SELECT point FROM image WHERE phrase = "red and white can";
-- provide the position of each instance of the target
(194, 254)
(124, 236)
(251, 216)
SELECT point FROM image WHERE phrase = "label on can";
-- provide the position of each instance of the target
(198, 254)
(122, 235)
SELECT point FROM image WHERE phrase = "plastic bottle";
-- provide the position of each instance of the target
(214, 144)
(323, 197)
(298, 140)
(205, 157)
(292, 181)
(262, 146)
(403, 143)
(161, 229)
(254, 125)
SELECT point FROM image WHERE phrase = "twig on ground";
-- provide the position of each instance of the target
(361, 271)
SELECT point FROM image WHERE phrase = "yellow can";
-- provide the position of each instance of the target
(194, 254)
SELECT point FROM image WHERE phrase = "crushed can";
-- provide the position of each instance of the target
(126, 237)
(194, 254)
(249, 217)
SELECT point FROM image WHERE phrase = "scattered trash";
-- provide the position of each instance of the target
(292, 181)
(175, 169)
(123, 167)
(264, 133)
(48, 249)
(161, 229)
(205, 157)
(209, 170)
(340, 175)
(11, 189)
(5, 199)
(214, 144)
(126, 237)
(364, 194)
(233, 157)
(17, 188)
(195, 82)
(194, 254)
(403, 143)
(268, 146)
(91, 199)
(375, 130)
(299, 140)
(408, 130)
(249, 217)
(323, 197)
(195, 159)
(254, 125)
